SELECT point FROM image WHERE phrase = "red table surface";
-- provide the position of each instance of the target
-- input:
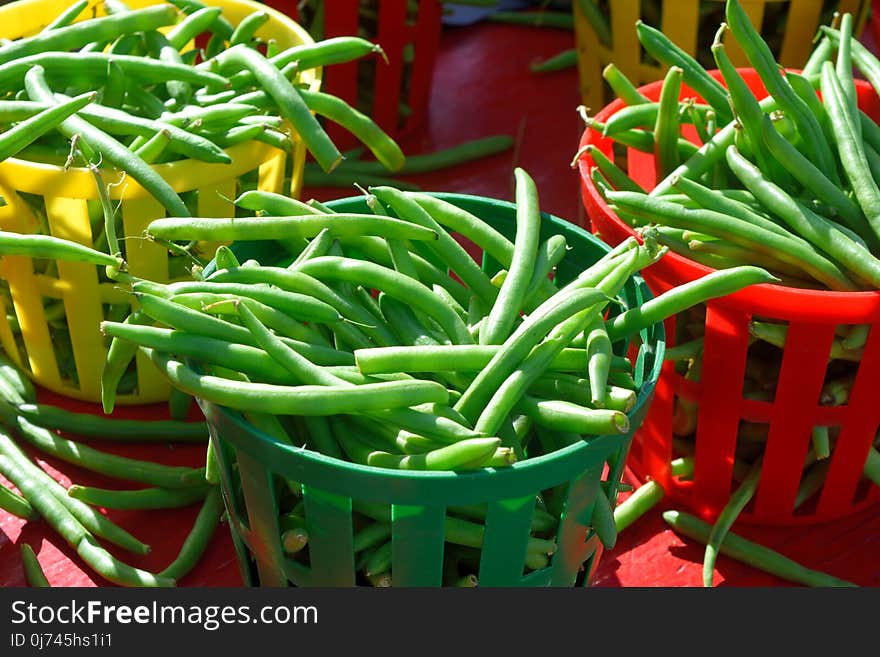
(482, 86)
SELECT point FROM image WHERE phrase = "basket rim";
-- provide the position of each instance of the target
(537, 468)
(674, 266)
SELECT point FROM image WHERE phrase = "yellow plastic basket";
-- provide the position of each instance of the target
(24, 326)
(689, 23)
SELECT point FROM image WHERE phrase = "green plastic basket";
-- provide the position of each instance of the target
(254, 467)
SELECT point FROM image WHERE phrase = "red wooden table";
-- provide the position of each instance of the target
(482, 86)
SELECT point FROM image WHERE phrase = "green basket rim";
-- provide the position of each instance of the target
(527, 475)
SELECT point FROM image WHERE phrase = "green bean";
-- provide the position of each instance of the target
(598, 361)
(458, 456)
(393, 283)
(721, 202)
(844, 70)
(821, 53)
(53, 248)
(314, 177)
(193, 25)
(301, 283)
(244, 358)
(247, 27)
(712, 285)
(33, 572)
(568, 417)
(97, 461)
(77, 35)
(852, 153)
(622, 87)
(371, 535)
(646, 496)
(114, 152)
(326, 52)
(119, 355)
(614, 174)
(597, 20)
(220, 26)
(550, 253)
(441, 159)
(751, 553)
(821, 442)
(299, 400)
(543, 18)
(236, 135)
(865, 61)
(94, 65)
(804, 222)
(22, 134)
(15, 504)
(856, 337)
(199, 537)
(815, 180)
(776, 334)
(667, 127)
(446, 248)
(114, 570)
(289, 101)
(98, 427)
(91, 520)
(515, 348)
(734, 506)
(872, 466)
(46, 504)
(602, 521)
(67, 16)
(153, 148)
(761, 58)
(748, 113)
(69, 517)
(509, 302)
(273, 204)
(15, 377)
(273, 228)
(562, 60)
(661, 48)
(736, 231)
(298, 306)
(183, 142)
(223, 304)
(144, 498)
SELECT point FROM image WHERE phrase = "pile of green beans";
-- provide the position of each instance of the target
(774, 24)
(75, 513)
(160, 98)
(381, 341)
(166, 83)
(789, 183)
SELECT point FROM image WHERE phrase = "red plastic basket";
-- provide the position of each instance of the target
(812, 316)
(399, 98)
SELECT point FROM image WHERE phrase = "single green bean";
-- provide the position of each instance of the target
(667, 127)
(33, 572)
(199, 537)
(509, 302)
(299, 400)
(289, 100)
(77, 35)
(712, 285)
(752, 553)
(98, 427)
(144, 498)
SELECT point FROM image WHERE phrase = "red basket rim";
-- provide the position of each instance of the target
(765, 298)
